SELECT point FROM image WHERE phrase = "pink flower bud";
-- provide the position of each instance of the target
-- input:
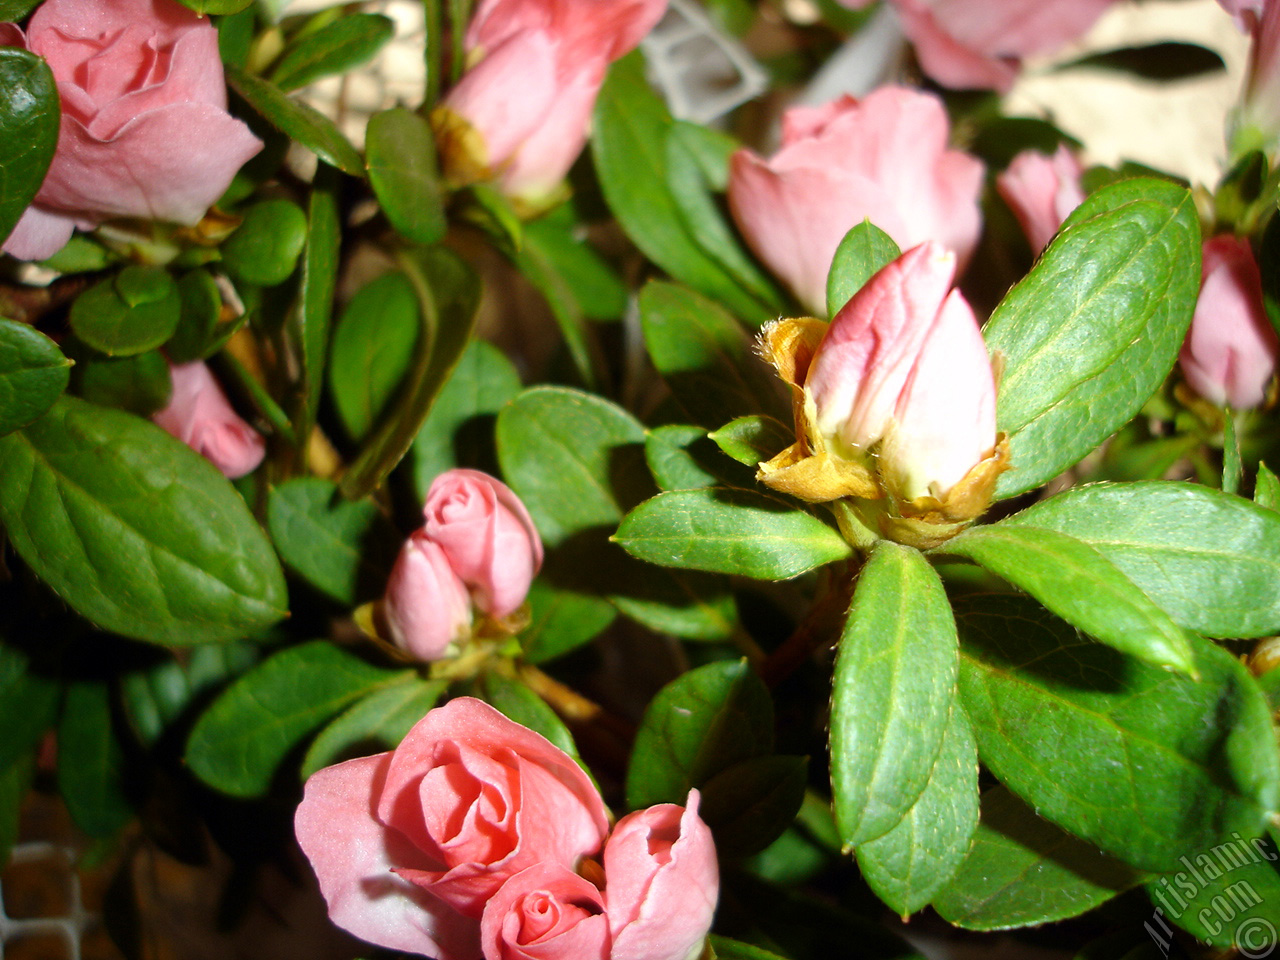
(662, 883)
(145, 130)
(200, 416)
(488, 536)
(904, 365)
(1229, 356)
(1042, 191)
(547, 912)
(884, 158)
(1256, 123)
(426, 606)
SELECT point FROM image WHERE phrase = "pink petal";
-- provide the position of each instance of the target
(39, 234)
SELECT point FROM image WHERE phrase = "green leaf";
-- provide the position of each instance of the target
(724, 530)
(448, 295)
(337, 47)
(342, 548)
(1095, 328)
(1114, 750)
(918, 857)
(597, 291)
(382, 719)
(891, 696)
(203, 7)
(197, 336)
(459, 429)
(140, 384)
(29, 116)
(1168, 60)
(676, 453)
(1023, 870)
(566, 454)
(135, 311)
(751, 440)
(91, 775)
(748, 805)
(693, 606)
(1231, 465)
(726, 949)
(264, 249)
(541, 272)
(373, 349)
(15, 780)
(307, 126)
(28, 704)
(1266, 490)
(400, 153)
(628, 142)
(33, 374)
(561, 621)
(12, 11)
(160, 693)
(1208, 559)
(864, 250)
(313, 311)
(517, 702)
(134, 530)
(698, 725)
(245, 734)
(705, 357)
(1081, 585)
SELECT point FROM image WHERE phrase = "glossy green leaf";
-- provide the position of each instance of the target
(542, 273)
(1266, 489)
(135, 311)
(199, 318)
(307, 126)
(342, 548)
(400, 153)
(448, 295)
(377, 722)
(1208, 559)
(919, 856)
(459, 429)
(727, 949)
(264, 249)
(28, 703)
(12, 11)
(241, 739)
(157, 695)
(597, 290)
(1112, 749)
(313, 312)
(1095, 328)
(698, 725)
(569, 455)
(204, 7)
(891, 696)
(676, 454)
(751, 440)
(373, 349)
(686, 604)
(1081, 585)
(81, 255)
(706, 357)
(1023, 870)
(863, 251)
(134, 530)
(29, 116)
(1232, 468)
(337, 47)
(91, 774)
(561, 621)
(140, 384)
(748, 805)
(629, 136)
(33, 374)
(517, 702)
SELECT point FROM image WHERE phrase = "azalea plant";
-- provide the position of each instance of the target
(550, 524)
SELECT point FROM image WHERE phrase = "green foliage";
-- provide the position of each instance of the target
(379, 721)
(161, 694)
(140, 384)
(28, 704)
(337, 47)
(517, 702)
(33, 374)
(91, 763)
(132, 312)
(265, 247)
(29, 116)
(203, 7)
(200, 333)
(401, 160)
(561, 621)
(864, 250)
(312, 313)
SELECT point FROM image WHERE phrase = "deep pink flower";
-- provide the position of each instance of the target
(884, 158)
(199, 414)
(1041, 191)
(145, 130)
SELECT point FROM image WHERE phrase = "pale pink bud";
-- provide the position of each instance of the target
(904, 365)
(547, 912)
(200, 415)
(1256, 124)
(1229, 356)
(488, 536)
(884, 159)
(426, 606)
(1042, 191)
(661, 883)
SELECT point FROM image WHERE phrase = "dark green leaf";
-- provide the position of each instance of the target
(919, 856)
(1231, 465)
(203, 7)
(158, 694)
(400, 153)
(342, 548)
(33, 374)
(241, 739)
(565, 453)
(699, 725)
(705, 357)
(675, 453)
(15, 779)
(29, 116)
(91, 775)
(134, 530)
(1081, 585)
(197, 336)
(28, 704)
(12, 11)
(751, 440)
(597, 290)
(135, 311)
(894, 684)
(748, 805)
(1023, 870)
(561, 621)
(313, 311)
(1096, 326)
(864, 250)
(723, 530)
(517, 702)
(1114, 750)
(693, 606)
(1208, 559)
(381, 719)
(726, 949)
(140, 384)
(373, 349)
(1169, 60)
(1266, 489)
(337, 47)
(304, 124)
(265, 247)
(81, 255)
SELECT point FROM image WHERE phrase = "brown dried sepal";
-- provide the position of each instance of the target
(789, 345)
(464, 158)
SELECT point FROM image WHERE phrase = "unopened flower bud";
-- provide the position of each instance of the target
(199, 414)
(426, 607)
(1041, 191)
